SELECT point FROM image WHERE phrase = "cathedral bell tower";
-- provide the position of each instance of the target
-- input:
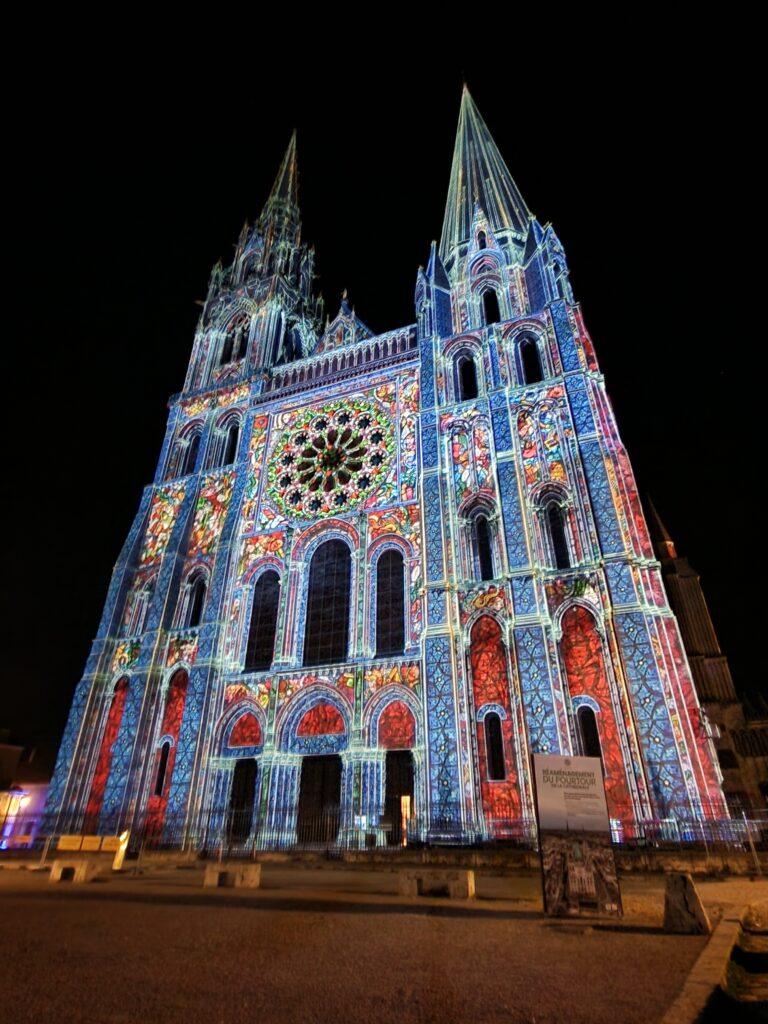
(260, 312)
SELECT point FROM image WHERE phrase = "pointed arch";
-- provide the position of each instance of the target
(481, 540)
(584, 664)
(263, 623)
(556, 529)
(104, 760)
(396, 727)
(531, 369)
(482, 547)
(466, 376)
(191, 451)
(379, 703)
(194, 598)
(390, 603)
(555, 520)
(165, 752)
(245, 731)
(491, 310)
(303, 730)
(499, 788)
(326, 632)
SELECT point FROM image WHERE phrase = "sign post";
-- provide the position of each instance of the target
(577, 862)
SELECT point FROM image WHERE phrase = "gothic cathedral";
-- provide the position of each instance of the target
(381, 566)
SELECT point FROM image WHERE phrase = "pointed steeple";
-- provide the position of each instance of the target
(286, 186)
(662, 541)
(479, 176)
(281, 210)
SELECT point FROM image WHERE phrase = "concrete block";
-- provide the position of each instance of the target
(75, 870)
(240, 876)
(457, 884)
(684, 913)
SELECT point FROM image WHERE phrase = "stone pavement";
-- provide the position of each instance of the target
(329, 942)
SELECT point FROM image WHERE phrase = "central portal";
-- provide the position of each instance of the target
(319, 812)
(399, 772)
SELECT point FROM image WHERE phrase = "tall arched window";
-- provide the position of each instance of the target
(494, 746)
(558, 541)
(261, 632)
(165, 757)
(589, 735)
(190, 455)
(162, 768)
(104, 761)
(326, 635)
(466, 377)
(482, 546)
(530, 361)
(195, 601)
(491, 306)
(230, 447)
(390, 604)
(482, 241)
(241, 342)
(226, 348)
(141, 608)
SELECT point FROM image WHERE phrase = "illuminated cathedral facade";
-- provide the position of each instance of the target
(381, 566)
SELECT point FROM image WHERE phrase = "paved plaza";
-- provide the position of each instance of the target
(328, 943)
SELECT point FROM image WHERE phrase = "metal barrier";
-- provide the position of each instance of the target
(222, 831)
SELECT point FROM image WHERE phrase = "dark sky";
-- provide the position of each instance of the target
(131, 178)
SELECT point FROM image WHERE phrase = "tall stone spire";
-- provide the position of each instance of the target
(286, 186)
(479, 176)
(281, 209)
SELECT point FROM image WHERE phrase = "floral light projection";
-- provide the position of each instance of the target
(331, 459)
(490, 685)
(254, 548)
(548, 423)
(181, 648)
(169, 732)
(397, 727)
(162, 517)
(232, 395)
(104, 761)
(409, 407)
(255, 457)
(126, 653)
(212, 504)
(246, 731)
(389, 675)
(344, 681)
(462, 471)
(482, 453)
(582, 653)
(490, 598)
(526, 428)
(240, 691)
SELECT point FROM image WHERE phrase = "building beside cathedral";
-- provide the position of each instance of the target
(376, 566)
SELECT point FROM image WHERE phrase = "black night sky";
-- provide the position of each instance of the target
(131, 178)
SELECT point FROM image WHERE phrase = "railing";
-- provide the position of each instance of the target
(223, 831)
(306, 372)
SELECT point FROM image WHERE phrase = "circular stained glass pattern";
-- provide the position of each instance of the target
(331, 459)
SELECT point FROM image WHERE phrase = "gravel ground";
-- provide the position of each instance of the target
(328, 945)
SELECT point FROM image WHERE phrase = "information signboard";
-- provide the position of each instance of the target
(577, 861)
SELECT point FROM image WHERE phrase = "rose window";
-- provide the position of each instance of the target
(331, 460)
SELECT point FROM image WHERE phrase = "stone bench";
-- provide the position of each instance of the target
(456, 883)
(74, 869)
(241, 876)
